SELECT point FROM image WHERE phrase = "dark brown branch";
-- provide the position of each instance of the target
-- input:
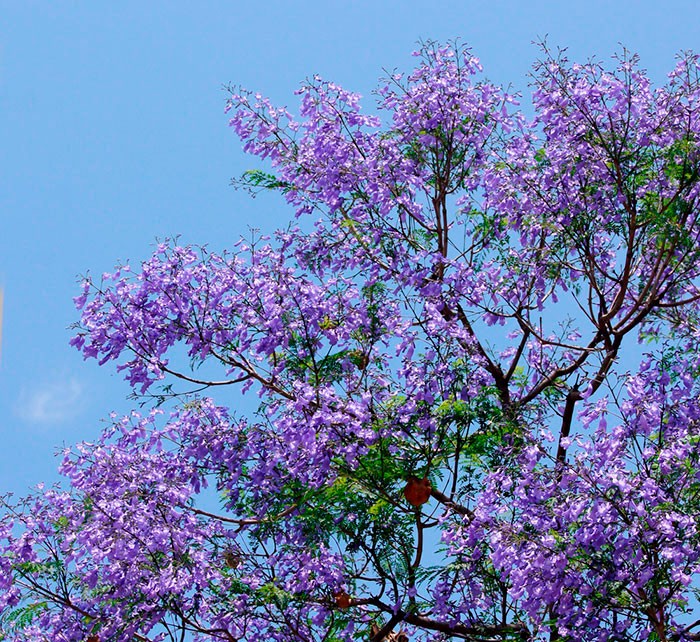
(572, 397)
(446, 501)
(473, 633)
(244, 521)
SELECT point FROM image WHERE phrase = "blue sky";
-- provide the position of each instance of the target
(112, 134)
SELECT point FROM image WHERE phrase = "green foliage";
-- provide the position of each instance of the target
(257, 180)
(20, 618)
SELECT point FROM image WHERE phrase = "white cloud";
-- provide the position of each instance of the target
(51, 402)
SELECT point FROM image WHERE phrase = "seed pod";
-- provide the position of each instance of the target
(232, 558)
(359, 359)
(342, 599)
(417, 491)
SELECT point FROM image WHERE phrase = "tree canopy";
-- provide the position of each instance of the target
(476, 358)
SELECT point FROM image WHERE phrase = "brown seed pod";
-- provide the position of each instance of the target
(392, 637)
(232, 558)
(359, 359)
(342, 599)
(417, 491)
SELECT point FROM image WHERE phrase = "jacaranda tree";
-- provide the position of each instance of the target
(476, 362)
